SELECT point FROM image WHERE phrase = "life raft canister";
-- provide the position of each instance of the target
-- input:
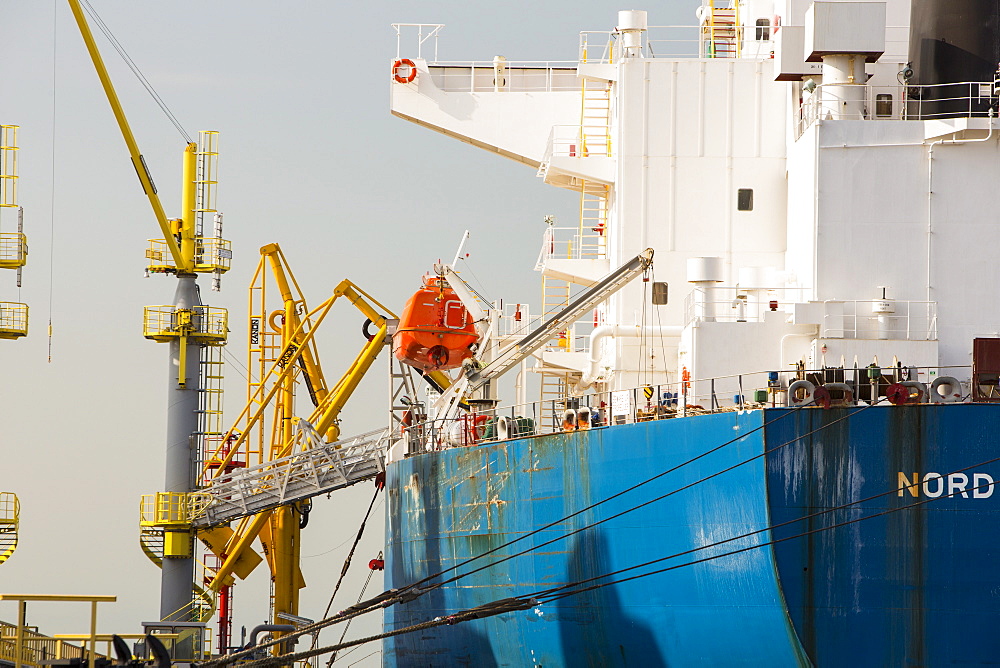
(404, 71)
(435, 331)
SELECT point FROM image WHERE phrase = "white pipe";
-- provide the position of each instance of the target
(930, 190)
(616, 331)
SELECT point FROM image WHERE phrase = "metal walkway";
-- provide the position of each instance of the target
(316, 470)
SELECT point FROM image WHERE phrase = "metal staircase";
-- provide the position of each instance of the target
(318, 469)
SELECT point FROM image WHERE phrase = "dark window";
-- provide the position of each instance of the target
(659, 293)
(763, 30)
(883, 105)
(744, 199)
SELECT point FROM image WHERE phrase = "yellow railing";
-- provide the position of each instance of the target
(10, 509)
(13, 320)
(164, 509)
(13, 250)
(8, 165)
(36, 647)
(208, 324)
(211, 255)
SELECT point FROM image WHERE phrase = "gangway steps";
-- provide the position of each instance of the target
(297, 477)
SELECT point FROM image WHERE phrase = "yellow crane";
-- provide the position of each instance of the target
(191, 328)
(283, 356)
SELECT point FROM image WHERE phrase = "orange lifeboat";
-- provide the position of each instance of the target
(435, 331)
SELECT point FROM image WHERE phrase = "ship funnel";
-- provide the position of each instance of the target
(953, 43)
(631, 25)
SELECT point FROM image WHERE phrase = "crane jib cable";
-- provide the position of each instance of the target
(103, 27)
(548, 596)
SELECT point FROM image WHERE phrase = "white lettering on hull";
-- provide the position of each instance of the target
(933, 485)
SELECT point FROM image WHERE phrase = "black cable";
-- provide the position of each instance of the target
(347, 562)
(644, 504)
(753, 547)
(602, 501)
(844, 506)
(333, 656)
(530, 600)
(135, 70)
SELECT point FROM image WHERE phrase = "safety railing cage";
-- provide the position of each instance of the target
(36, 649)
(206, 324)
(211, 254)
(164, 509)
(13, 250)
(13, 320)
(764, 389)
(967, 99)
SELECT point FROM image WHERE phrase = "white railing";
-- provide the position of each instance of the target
(696, 396)
(738, 304)
(424, 36)
(571, 243)
(881, 319)
(967, 99)
(516, 76)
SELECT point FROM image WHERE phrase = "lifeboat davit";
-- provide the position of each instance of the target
(435, 331)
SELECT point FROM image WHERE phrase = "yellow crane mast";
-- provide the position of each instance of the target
(13, 245)
(192, 329)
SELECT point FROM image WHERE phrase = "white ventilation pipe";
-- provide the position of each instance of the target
(616, 331)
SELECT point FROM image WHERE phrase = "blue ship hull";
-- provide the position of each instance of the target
(914, 587)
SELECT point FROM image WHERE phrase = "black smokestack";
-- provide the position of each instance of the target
(954, 41)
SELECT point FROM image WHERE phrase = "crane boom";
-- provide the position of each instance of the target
(184, 264)
(512, 355)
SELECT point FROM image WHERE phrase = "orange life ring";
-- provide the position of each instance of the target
(398, 69)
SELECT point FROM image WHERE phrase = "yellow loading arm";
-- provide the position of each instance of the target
(278, 528)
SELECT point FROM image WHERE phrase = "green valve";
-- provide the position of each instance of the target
(760, 396)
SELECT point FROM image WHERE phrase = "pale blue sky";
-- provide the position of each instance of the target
(312, 159)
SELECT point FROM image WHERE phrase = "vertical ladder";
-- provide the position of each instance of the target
(555, 297)
(263, 349)
(206, 182)
(553, 397)
(210, 430)
(593, 220)
(595, 119)
(721, 31)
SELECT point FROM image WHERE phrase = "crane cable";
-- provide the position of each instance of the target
(347, 561)
(52, 199)
(333, 656)
(135, 70)
(541, 597)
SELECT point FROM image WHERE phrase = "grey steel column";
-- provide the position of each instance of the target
(182, 424)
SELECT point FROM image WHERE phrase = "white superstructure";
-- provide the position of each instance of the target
(801, 207)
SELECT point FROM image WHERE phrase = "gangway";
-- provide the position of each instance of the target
(512, 355)
(316, 470)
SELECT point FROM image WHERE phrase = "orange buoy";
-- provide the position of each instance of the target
(435, 331)
(404, 71)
